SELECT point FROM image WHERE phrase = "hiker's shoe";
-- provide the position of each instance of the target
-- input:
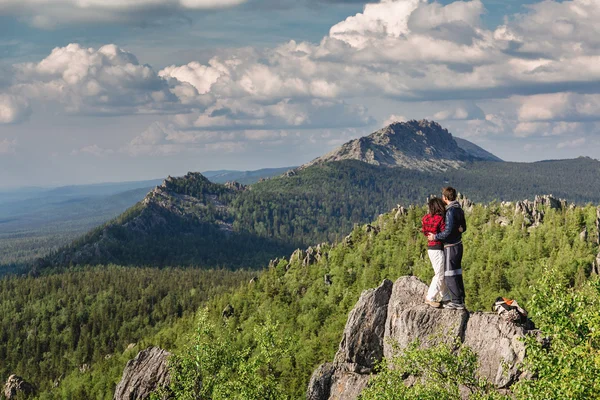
(433, 304)
(454, 306)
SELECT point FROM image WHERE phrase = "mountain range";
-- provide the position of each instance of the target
(192, 221)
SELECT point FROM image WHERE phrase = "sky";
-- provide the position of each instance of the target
(121, 90)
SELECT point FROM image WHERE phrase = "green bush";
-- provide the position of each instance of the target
(211, 369)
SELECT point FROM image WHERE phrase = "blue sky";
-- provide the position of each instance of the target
(117, 90)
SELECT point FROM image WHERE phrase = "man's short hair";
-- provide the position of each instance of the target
(449, 193)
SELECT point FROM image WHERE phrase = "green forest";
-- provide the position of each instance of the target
(60, 324)
(211, 225)
(290, 319)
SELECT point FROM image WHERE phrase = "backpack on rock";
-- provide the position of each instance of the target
(510, 311)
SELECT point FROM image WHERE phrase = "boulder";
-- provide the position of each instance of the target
(348, 240)
(370, 229)
(319, 386)
(400, 212)
(347, 385)
(431, 326)
(465, 203)
(362, 340)
(596, 265)
(598, 225)
(503, 221)
(228, 311)
(361, 347)
(17, 387)
(310, 258)
(233, 185)
(408, 318)
(147, 372)
(498, 347)
(400, 308)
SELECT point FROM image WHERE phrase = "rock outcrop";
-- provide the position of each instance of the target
(362, 342)
(598, 225)
(17, 387)
(396, 313)
(533, 211)
(147, 372)
(235, 186)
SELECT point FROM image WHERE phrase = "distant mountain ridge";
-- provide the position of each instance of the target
(244, 177)
(192, 221)
(420, 145)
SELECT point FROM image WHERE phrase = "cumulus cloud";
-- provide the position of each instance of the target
(105, 81)
(13, 109)
(491, 124)
(560, 128)
(560, 107)
(409, 50)
(48, 14)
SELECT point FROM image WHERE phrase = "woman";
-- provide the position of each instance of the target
(434, 223)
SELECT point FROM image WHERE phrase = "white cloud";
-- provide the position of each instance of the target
(105, 81)
(164, 140)
(560, 107)
(560, 128)
(8, 146)
(94, 150)
(410, 50)
(13, 109)
(394, 118)
(491, 124)
(467, 111)
(575, 143)
(49, 14)
(246, 115)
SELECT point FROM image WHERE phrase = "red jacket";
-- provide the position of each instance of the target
(433, 224)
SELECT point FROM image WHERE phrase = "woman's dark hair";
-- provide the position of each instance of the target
(436, 206)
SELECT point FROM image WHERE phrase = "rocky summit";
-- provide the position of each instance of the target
(421, 145)
(395, 313)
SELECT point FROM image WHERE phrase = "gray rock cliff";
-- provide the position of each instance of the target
(147, 372)
(396, 313)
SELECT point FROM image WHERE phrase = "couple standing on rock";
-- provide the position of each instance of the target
(444, 226)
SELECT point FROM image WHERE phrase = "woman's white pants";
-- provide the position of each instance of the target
(438, 285)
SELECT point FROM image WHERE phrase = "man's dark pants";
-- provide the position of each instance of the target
(453, 272)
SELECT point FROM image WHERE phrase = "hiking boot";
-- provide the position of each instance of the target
(433, 304)
(454, 306)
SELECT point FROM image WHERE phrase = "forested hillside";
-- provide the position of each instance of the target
(190, 221)
(307, 297)
(62, 324)
(37, 221)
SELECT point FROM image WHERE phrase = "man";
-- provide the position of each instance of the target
(453, 248)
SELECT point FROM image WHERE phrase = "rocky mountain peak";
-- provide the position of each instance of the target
(421, 145)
